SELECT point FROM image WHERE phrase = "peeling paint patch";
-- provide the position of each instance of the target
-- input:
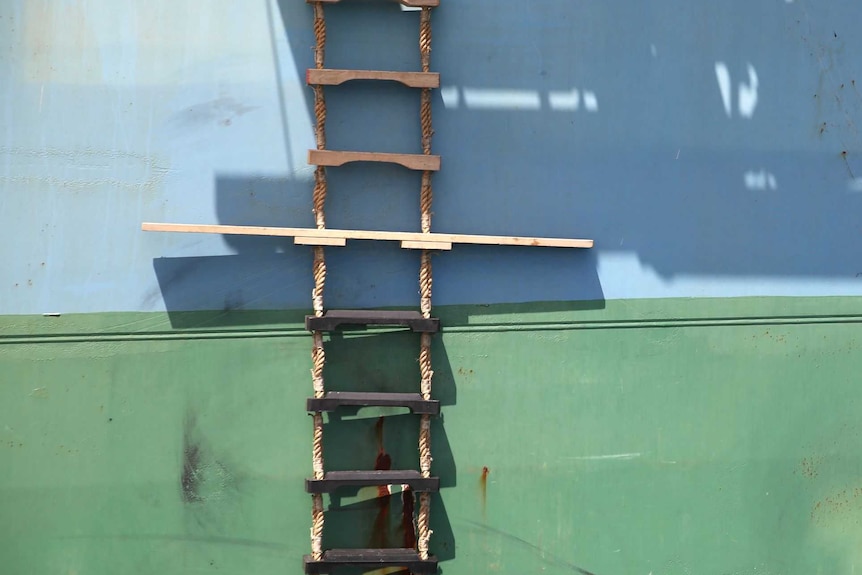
(220, 111)
(84, 169)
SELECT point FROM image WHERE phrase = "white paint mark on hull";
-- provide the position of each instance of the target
(609, 457)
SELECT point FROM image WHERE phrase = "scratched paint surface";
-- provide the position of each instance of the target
(651, 436)
(709, 149)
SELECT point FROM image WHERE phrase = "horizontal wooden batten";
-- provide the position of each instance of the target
(333, 158)
(305, 241)
(327, 77)
(308, 234)
(414, 245)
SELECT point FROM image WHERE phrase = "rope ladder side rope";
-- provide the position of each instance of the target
(425, 283)
(318, 355)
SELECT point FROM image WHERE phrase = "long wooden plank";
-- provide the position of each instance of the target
(332, 77)
(408, 3)
(369, 235)
(333, 158)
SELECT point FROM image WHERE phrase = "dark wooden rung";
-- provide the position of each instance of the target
(408, 3)
(335, 399)
(330, 77)
(333, 319)
(372, 559)
(336, 479)
(335, 158)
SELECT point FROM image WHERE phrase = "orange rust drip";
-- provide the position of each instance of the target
(383, 463)
(483, 488)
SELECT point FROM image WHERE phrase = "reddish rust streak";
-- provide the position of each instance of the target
(407, 505)
(383, 462)
(379, 538)
(378, 429)
(483, 488)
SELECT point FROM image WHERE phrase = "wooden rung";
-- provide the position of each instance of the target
(327, 77)
(369, 235)
(419, 245)
(306, 241)
(411, 161)
(408, 3)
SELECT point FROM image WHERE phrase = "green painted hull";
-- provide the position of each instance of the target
(641, 436)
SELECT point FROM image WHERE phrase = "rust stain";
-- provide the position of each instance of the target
(808, 467)
(483, 488)
(383, 462)
(378, 430)
(839, 503)
(847, 164)
(408, 503)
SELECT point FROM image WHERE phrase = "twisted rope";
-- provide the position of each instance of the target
(425, 38)
(425, 283)
(423, 525)
(319, 196)
(318, 356)
(319, 36)
(317, 527)
(425, 117)
(319, 271)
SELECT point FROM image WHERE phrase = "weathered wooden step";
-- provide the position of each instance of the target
(333, 319)
(335, 399)
(336, 479)
(371, 559)
(333, 158)
(331, 77)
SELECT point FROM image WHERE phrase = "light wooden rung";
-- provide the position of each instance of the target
(414, 245)
(411, 161)
(327, 77)
(306, 241)
(408, 3)
(310, 233)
